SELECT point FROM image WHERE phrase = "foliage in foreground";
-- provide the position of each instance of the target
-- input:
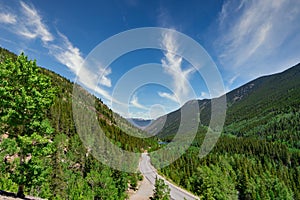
(64, 168)
(25, 96)
(161, 190)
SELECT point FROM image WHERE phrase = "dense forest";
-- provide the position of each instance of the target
(67, 170)
(258, 153)
(256, 157)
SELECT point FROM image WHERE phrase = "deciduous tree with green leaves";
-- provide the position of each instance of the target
(26, 95)
(161, 190)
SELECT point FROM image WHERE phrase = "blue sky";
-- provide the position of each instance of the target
(245, 39)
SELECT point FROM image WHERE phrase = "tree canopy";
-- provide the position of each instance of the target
(26, 95)
(161, 190)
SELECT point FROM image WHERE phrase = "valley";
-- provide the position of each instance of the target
(256, 157)
(257, 154)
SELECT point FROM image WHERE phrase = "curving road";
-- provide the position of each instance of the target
(147, 186)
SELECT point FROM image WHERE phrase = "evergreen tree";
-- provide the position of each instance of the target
(161, 191)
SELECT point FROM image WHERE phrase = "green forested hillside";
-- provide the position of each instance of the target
(70, 171)
(258, 154)
(270, 111)
(258, 104)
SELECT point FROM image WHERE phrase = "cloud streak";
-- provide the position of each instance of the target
(28, 24)
(7, 18)
(258, 37)
(87, 73)
(135, 102)
(172, 65)
(32, 25)
(67, 54)
(169, 96)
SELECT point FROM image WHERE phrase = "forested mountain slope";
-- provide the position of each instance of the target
(71, 171)
(253, 109)
(258, 154)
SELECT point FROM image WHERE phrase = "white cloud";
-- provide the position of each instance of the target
(8, 18)
(137, 114)
(172, 97)
(233, 79)
(172, 65)
(135, 102)
(31, 25)
(67, 54)
(104, 80)
(258, 37)
(26, 23)
(154, 112)
(87, 73)
(204, 95)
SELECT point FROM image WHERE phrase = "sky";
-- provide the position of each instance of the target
(244, 39)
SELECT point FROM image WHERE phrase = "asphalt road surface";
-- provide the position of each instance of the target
(150, 174)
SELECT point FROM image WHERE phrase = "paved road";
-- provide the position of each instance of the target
(150, 173)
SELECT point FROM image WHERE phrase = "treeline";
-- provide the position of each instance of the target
(258, 154)
(239, 168)
(70, 171)
(280, 127)
(256, 158)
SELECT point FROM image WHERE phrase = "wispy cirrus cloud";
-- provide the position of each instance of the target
(91, 75)
(8, 18)
(258, 37)
(29, 24)
(172, 65)
(87, 73)
(169, 96)
(66, 53)
(135, 102)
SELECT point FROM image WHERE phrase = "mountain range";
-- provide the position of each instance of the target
(257, 155)
(139, 122)
(250, 107)
(259, 146)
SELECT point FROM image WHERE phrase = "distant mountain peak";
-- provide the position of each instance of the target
(140, 122)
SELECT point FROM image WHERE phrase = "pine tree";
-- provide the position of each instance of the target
(161, 191)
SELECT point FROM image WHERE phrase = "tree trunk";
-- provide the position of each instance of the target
(21, 191)
(21, 185)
